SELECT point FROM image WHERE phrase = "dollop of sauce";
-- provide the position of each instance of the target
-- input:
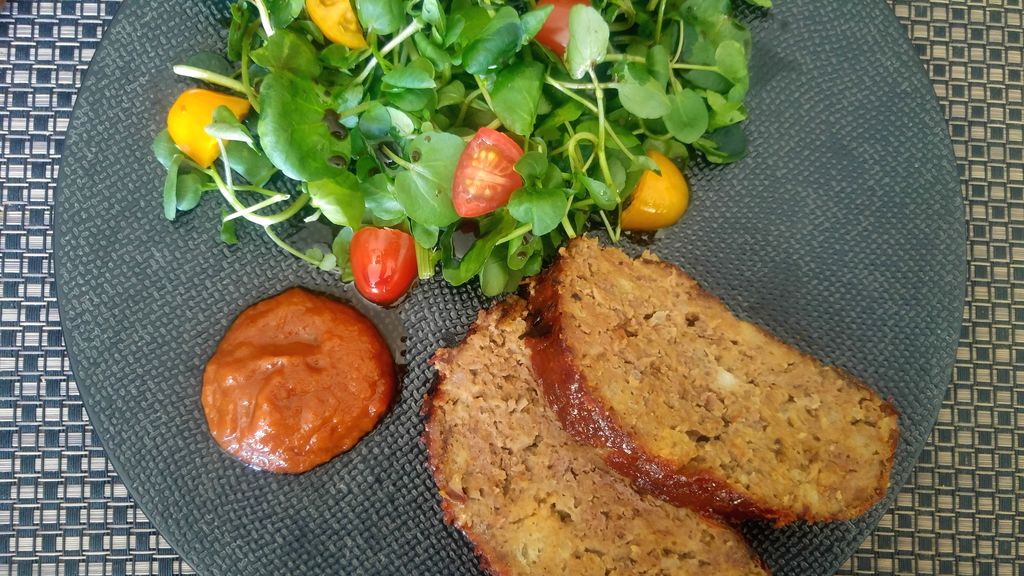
(297, 379)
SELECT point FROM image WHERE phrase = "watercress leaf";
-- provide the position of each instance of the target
(292, 131)
(543, 209)
(516, 94)
(570, 111)
(413, 75)
(456, 25)
(402, 124)
(315, 255)
(658, 64)
(288, 51)
(552, 177)
(226, 127)
(520, 251)
(458, 272)
(425, 192)
(164, 149)
(452, 93)
(433, 14)
(588, 40)
(687, 118)
(532, 165)
(211, 61)
(413, 99)
(282, 12)
(644, 162)
(240, 18)
(603, 196)
(724, 145)
(640, 93)
(731, 60)
(339, 56)
(171, 187)
(339, 249)
(617, 162)
(339, 199)
(534, 20)
(533, 265)
(494, 273)
(381, 16)
(227, 229)
(499, 41)
(379, 197)
(761, 3)
(426, 236)
(628, 139)
(435, 54)
(250, 164)
(328, 262)
(724, 112)
(189, 189)
(375, 123)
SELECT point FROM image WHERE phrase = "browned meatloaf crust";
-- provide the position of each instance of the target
(531, 499)
(697, 406)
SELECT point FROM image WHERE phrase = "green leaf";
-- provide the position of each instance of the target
(287, 51)
(171, 188)
(588, 40)
(375, 123)
(381, 16)
(190, 188)
(724, 145)
(641, 94)
(500, 40)
(687, 118)
(282, 12)
(339, 200)
(570, 111)
(339, 56)
(724, 112)
(519, 251)
(458, 272)
(543, 209)
(164, 149)
(433, 14)
(211, 61)
(426, 236)
(425, 192)
(240, 18)
(516, 94)
(603, 196)
(227, 229)
(532, 165)
(292, 130)
(379, 197)
(761, 3)
(437, 56)
(339, 249)
(494, 274)
(731, 60)
(452, 93)
(534, 20)
(225, 126)
(418, 74)
(250, 164)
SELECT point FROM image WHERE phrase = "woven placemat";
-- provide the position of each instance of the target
(64, 511)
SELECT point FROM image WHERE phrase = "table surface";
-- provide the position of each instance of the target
(63, 510)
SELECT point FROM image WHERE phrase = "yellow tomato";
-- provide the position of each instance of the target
(188, 118)
(337, 20)
(657, 201)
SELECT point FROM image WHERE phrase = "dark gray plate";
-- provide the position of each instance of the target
(842, 231)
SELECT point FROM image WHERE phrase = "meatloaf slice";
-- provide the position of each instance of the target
(531, 499)
(697, 406)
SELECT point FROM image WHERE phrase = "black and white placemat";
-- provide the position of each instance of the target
(63, 510)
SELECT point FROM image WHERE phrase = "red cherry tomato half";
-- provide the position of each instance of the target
(383, 263)
(555, 32)
(485, 176)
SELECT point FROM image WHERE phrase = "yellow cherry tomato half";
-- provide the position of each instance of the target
(657, 201)
(337, 20)
(188, 118)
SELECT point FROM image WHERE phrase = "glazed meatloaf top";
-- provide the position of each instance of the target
(531, 499)
(697, 406)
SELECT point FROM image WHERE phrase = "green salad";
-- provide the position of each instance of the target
(469, 137)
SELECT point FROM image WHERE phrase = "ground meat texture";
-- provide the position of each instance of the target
(297, 379)
(697, 406)
(532, 500)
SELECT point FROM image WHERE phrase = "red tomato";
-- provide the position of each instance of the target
(383, 263)
(555, 32)
(485, 176)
